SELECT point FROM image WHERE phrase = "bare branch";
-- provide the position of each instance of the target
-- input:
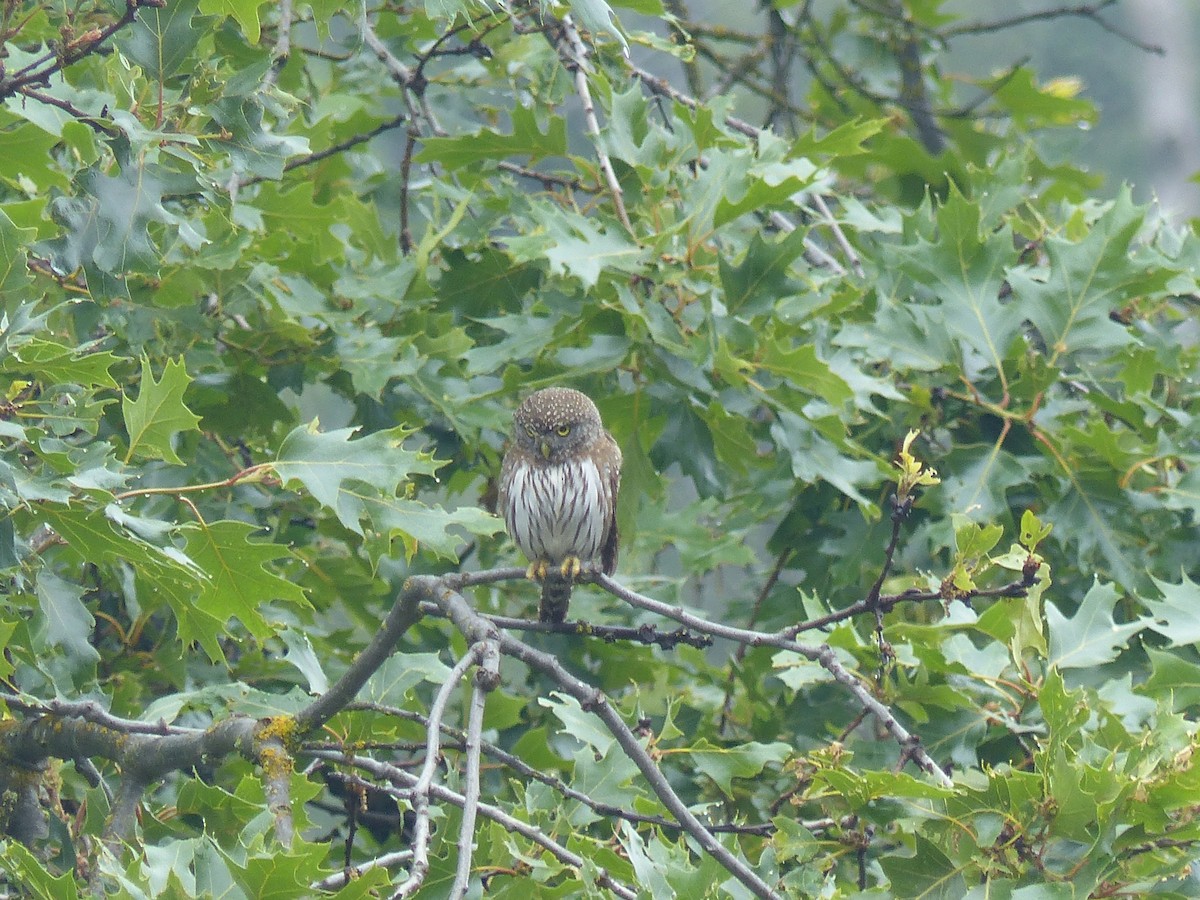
(276, 764)
(283, 44)
(1090, 11)
(475, 628)
(84, 45)
(574, 55)
(420, 795)
(405, 612)
(339, 880)
(646, 633)
(486, 679)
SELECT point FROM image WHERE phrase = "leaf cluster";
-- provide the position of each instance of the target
(886, 380)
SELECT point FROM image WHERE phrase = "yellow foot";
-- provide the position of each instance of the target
(571, 567)
(537, 570)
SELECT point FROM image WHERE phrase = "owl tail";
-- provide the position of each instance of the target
(556, 597)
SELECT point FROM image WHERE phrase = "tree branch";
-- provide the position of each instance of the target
(405, 612)
(487, 677)
(474, 627)
(574, 55)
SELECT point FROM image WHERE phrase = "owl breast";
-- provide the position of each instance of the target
(557, 511)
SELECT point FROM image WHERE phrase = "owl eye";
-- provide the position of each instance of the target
(563, 430)
(531, 431)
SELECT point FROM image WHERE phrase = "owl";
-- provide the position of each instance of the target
(558, 492)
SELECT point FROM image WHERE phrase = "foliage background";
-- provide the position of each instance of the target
(223, 223)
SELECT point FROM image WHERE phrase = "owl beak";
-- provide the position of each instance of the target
(544, 446)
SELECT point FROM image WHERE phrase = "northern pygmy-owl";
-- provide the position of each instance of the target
(558, 492)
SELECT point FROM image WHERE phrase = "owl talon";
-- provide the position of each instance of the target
(571, 567)
(537, 570)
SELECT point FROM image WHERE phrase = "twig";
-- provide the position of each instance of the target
(283, 45)
(847, 248)
(403, 781)
(738, 72)
(339, 880)
(1018, 588)
(525, 770)
(98, 125)
(548, 179)
(91, 711)
(646, 633)
(574, 54)
(1086, 11)
(334, 149)
(900, 511)
(32, 73)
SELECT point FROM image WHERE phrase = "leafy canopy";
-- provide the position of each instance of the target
(886, 379)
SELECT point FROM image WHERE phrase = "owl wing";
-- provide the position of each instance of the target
(506, 474)
(611, 473)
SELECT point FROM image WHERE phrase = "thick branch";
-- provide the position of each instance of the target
(405, 613)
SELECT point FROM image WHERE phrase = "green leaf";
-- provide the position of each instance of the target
(276, 871)
(1177, 615)
(63, 621)
(14, 273)
(158, 414)
(302, 655)
(526, 140)
(107, 224)
(1091, 637)
(162, 576)
(579, 248)
(723, 764)
(161, 40)
(328, 464)
(763, 277)
(964, 272)
(844, 140)
(801, 366)
(245, 12)
(928, 873)
(56, 364)
(1070, 303)
(1174, 679)
(578, 723)
(973, 542)
(597, 16)
(254, 149)
(31, 875)
(419, 526)
(237, 581)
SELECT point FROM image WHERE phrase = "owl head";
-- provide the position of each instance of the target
(554, 423)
